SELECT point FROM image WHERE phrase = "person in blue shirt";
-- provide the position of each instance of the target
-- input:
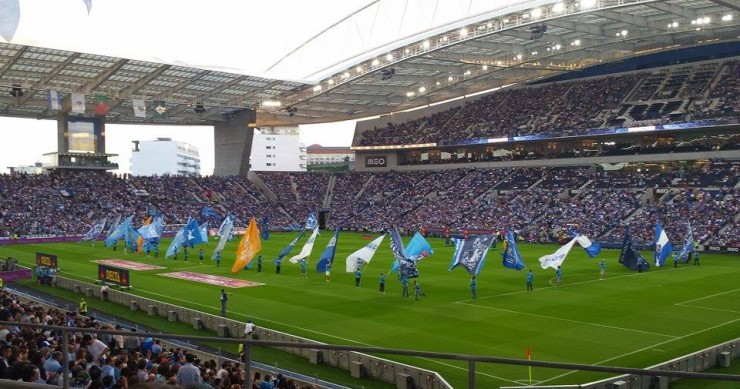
(381, 280)
(473, 286)
(200, 255)
(218, 258)
(156, 252)
(259, 264)
(304, 268)
(358, 277)
(175, 252)
(696, 258)
(405, 285)
(530, 278)
(558, 276)
(185, 253)
(278, 263)
(417, 291)
(224, 298)
(602, 267)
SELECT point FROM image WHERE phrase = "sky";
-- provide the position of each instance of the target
(26, 140)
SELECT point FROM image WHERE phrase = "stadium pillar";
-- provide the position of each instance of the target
(63, 133)
(233, 144)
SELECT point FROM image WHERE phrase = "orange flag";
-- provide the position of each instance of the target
(249, 246)
(528, 353)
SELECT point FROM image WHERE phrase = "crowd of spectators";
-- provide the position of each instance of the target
(572, 107)
(105, 361)
(536, 201)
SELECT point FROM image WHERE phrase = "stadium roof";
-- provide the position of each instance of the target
(483, 46)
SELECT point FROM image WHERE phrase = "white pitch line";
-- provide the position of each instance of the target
(706, 297)
(645, 348)
(466, 369)
(569, 320)
(707, 308)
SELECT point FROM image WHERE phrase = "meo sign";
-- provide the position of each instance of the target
(376, 161)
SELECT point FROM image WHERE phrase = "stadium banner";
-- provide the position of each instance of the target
(46, 260)
(721, 249)
(376, 161)
(113, 275)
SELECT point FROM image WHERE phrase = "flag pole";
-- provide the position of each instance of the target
(529, 358)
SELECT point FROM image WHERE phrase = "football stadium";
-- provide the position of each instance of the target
(537, 194)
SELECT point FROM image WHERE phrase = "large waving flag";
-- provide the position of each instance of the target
(286, 250)
(663, 246)
(417, 249)
(471, 253)
(224, 232)
(397, 245)
(95, 230)
(510, 255)
(556, 259)
(140, 240)
(311, 222)
(307, 248)
(119, 233)
(327, 257)
(204, 232)
(592, 249)
(265, 227)
(131, 238)
(222, 227)
(177, 242)
(363, 255)
(192, 233)
(113, 226)
(629, 257)
(688, 246)
(249, 246)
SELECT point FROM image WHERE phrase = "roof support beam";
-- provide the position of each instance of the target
(590, 29)
(94, 83)
(673, 9)
(731, 4)
(634, 20)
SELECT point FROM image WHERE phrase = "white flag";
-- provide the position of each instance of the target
(307, 248)
(556, 259)
(78, 103)
(53, 100)
(363, 255)
(139, 108)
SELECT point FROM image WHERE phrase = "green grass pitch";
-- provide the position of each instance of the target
(630, 319)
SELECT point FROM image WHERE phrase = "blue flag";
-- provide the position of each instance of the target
(663, 246)
(311, 222)
(471, 253)
(592, 249)
(327, 256)
(397, 245)
(119, 233)
(688, 246)
(629, 257)
(510, 255)
(130, 238)
(177, 242)
(95, 230)
(192, 233)
(204, 233)
(208, 212)
(285, 251)
(265, 228)
(417, 249)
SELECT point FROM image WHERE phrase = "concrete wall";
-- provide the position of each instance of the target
(357, 363)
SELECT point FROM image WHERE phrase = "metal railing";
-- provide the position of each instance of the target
(472, 360)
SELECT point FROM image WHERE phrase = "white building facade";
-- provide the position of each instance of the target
(277, 149)
(165, 156)
(320, 155)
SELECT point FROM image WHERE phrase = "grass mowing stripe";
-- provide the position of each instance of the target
(645, 348)
(570, 320)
